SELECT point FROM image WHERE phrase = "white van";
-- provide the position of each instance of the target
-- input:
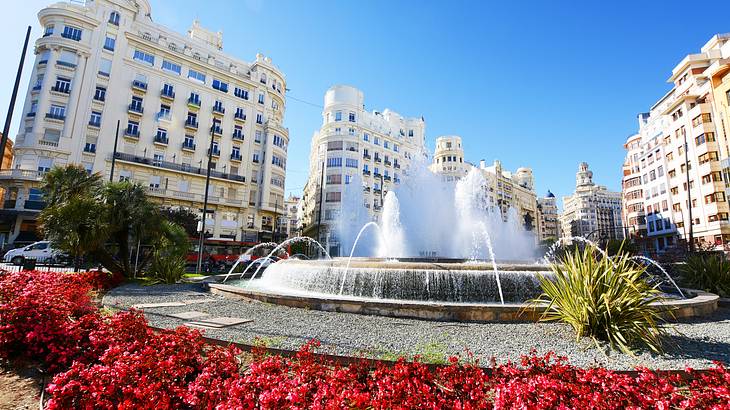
(41, 251)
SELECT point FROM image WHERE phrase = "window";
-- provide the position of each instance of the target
(334, 179)
(351, 163)
(52, 135)
(136, 104)
(105, 67)
(279, 162)
(194, 98)
(220, 85)
(241, 93)
(63, 85)
(279, 142)
(261, 98)
(366, 136)
(352, 117)
(124, 175)
(72, 33)
(164, 113)
(189, 142)
(114, 18)
(238, 132)
(168, 90)
(95, 119)
(236, 152)
(90, 145)
(144, 57)
(338, 116)
(386, 144)
(240, 114)
(43, 57)
(100, 93)
(132, 128)
(218, 106)
(48, 31)
(45, 164)
(334, 162)
(171, 67)
(257, 136)
(376, 141)
(57, 112)
(110, 42)
(67, 58)
(256, 156)
(196, 75)
(154, 179)
(263, 78)
(259, 118)
(333, 197)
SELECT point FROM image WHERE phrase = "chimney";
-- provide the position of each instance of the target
(482, 164)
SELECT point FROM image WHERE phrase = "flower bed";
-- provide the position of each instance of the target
(117, 361)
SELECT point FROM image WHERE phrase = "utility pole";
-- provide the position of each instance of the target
(11, 108)
(205, 198)
(689, 196)
(114, 154)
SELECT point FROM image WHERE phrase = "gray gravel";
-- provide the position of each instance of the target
(695, 343)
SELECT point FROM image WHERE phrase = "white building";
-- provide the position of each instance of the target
(106, 62)
(354, 144)
(549, 224)
(505, 190)
(292, 220)
(593, 211)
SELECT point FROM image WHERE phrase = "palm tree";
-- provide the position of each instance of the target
(60, 184)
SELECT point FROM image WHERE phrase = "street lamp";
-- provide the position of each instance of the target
(205, 198)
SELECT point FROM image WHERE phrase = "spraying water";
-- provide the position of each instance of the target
(293, 240)
(357, 239)
(243, 258)
(661, 268)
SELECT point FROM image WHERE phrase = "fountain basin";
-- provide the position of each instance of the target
(431, 289)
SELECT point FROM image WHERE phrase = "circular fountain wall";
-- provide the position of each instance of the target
(434, 289)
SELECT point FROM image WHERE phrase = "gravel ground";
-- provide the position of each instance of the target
(694, 343)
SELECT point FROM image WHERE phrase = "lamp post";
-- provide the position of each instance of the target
(114, 154)
(9, 117)
(689, 197)
(205, 198)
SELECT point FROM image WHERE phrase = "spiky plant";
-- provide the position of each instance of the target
(709, 272)
(604, 299)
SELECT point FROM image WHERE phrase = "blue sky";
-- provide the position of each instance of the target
(539, 84)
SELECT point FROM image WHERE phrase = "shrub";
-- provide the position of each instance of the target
(709, 272)
(605, 299)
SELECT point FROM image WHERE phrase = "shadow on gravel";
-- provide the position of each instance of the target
(132, 290)
(683, 347)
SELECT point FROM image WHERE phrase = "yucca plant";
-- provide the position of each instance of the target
(604, 299)
(709, 272)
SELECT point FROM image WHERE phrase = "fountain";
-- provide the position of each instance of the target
(440, 250)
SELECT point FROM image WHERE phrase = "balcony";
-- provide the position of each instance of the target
(95, 123)
(90, 148)
(388, 163)
(65, 64)
(219, 110)
(21, 174)
(216, 152)
(387, 178)
(396, 165)
(174, 167)
(139, 86)
(378, 159)
(239, 117)
(62, 90)
(236, 157)
(237, 136)
(167, 94)
(365, 172)
(191, 124)
(188, 146)
(34, 205)
(161, 139)
(366, 188)
(59, 117)
(366, 156)
(216, 130)
(131, 134)
(194, 103)
(135, 109)
(377, 175)
(396, 180)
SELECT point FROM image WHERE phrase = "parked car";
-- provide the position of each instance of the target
(41, 251)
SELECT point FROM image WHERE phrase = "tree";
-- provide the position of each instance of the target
(74, 219)
(183, 217)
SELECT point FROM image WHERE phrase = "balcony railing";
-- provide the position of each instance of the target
(216, 152)
(387, 178)
(175, 167)
(396, 165)
(62, 90)
(160, 139)
(131, 134)
(218, 109)
(238, 136)
(388, 163)
(377, 175)
(166, 93)
(236, 157)
(26, 174)
(95, 123)
(194, 102)
(34, 205)
(137, 108)
(188, 146)
(190, 123)
(378, 159)
(216, 130)
(139, 85)
(240, 117)
(52, 116)
(365, 172)
(366, 156)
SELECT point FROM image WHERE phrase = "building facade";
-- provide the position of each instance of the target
(681, 155)
(104, 63)
(505, 190)
(592, 212)
(354, 144)
(292, 220)
(549, 223)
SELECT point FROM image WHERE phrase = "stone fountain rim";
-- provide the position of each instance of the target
(700, 304)
(435, 264)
